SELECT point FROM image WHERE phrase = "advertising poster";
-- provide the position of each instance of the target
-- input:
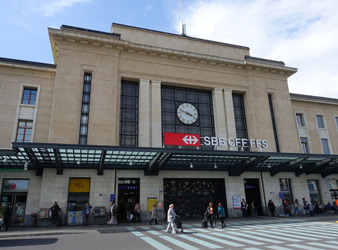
(236, 201)
(151, 202)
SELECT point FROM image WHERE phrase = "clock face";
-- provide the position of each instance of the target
(187, 113)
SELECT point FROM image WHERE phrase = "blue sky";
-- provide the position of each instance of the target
(301, 33)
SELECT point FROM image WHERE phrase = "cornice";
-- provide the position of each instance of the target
(27, 66)
(112, 42)
(316, 99)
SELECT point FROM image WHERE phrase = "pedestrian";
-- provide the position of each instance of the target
(306, 206)
(86, 213)
(55, 214)
(210, 214)
(113, 213)
(221, 214)
(8, 215)
(296, 207)
(253, 209)
(171, 215)
(129, 208)
(153, 215)
(244, 208)
(137, 211)
(272, 207)
(285, 208)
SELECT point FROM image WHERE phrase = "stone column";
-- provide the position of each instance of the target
(229, 113)
(155, 111)
(219, 115)
(144, 114)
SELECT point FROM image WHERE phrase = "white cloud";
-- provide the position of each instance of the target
(147, 10)
(52, 7)
(301, 33)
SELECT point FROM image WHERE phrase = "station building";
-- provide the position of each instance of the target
(137, 115)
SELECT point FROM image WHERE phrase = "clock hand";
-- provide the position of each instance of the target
(188, 114)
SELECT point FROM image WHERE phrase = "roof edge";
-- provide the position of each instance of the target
(181, 36)
(311, 98)
(27, 63)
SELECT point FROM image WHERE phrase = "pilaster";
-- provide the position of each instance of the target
(144, 114)
(155, 111)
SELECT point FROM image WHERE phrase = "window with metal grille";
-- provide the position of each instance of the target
(274, 123)
(240, 118)
(24, 132)
(129, 114)
(85, 109)
(172, 98)
(29, 96)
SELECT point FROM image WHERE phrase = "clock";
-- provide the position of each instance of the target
(187, 113)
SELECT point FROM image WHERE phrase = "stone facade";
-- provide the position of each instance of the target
(153, 59)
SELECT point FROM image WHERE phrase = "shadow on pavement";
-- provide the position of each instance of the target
(27, 242)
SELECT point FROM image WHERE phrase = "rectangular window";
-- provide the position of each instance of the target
(285, 188)
(274, 123)
(24, 132)
(336, 118)
(300, 120)
(304, 145)
(240, 118)
(85, 109)
(129, 114)
(201, 100)
(29, 96)
(325, 146)
(320, 121)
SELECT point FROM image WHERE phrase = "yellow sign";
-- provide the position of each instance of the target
(79, 185)
(151, 202)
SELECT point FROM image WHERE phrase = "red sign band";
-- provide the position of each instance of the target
(182, 139)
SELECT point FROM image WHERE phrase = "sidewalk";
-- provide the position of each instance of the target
(47, 231)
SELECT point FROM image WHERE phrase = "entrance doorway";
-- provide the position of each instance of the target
(253, 196)
(192, 196)
(128, 196)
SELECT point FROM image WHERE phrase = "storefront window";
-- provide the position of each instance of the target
(14, 191)
(314, 192)
(285, 188)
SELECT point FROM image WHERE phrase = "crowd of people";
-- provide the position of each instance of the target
(309, 209)
(211, 214)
